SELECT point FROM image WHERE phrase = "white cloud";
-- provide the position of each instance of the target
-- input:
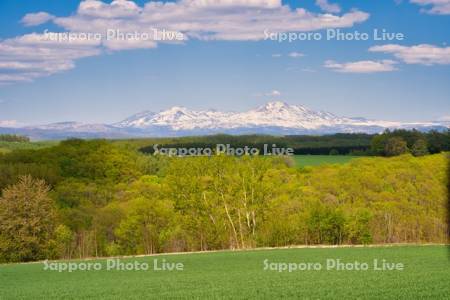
(276, 55)
(205, 19)
(10, 123)
(116, 9)
(31, 56)
(423, 54)
(235, 3)
(308, 70)
(273, 93)
(364, 66)
(328, 7)
(296, 54)
(297, 69)
(34, 19)
(127, 44)
(438, 7)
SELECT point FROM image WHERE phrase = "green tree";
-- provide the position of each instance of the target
(378, 144)
(334, 152)
(64, 240)
(141, 232)
(325, 225)
(395, 146)
(27, 221)
(358, 227)
(14, 138)
(438, 141)
(420, 148)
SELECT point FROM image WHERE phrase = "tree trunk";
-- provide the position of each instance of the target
(230, 220)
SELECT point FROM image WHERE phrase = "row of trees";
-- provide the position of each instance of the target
(343, 143)
(13, 138)
(94, 198)
(398, 142)
(389, 143)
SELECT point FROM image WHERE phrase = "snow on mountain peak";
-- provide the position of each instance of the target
(274, 116)
(280, 106)
(275, 105)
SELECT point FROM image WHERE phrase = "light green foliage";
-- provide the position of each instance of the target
(64, 240)
(27, 220)
(23, 145)
(317, 160)
(147, 216)
(113, 200)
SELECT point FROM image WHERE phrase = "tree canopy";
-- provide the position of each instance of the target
(100, 198)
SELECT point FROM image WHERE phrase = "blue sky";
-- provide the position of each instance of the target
(225, 63)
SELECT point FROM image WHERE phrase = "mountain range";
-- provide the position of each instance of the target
(277, 118)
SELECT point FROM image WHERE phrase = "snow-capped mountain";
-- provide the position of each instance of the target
(272, 118)
(273, 114)
(177, 117)
(73, 126)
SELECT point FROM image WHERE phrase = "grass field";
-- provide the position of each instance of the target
(317, 160)
(240, 275)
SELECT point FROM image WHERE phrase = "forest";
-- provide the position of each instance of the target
(360, 144)
(95, 198)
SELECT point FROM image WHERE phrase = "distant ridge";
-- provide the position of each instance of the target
(276, 117)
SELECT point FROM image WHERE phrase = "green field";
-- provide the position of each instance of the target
(240, 275)
(317, 160)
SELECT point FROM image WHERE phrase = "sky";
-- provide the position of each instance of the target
(222, 54)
